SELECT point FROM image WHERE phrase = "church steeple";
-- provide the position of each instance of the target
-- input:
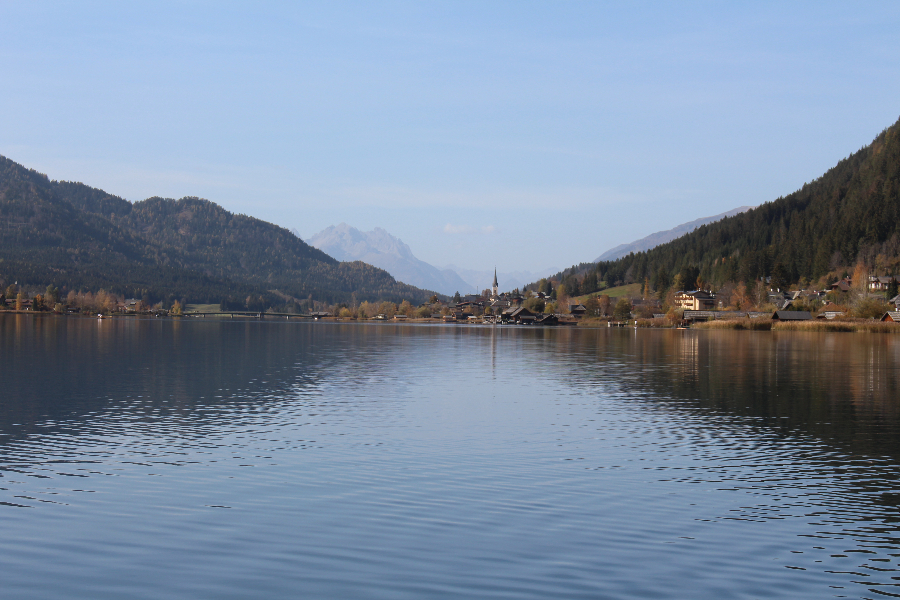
(495, 288)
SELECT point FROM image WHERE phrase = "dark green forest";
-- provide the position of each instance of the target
(849, 215)
(76, 237)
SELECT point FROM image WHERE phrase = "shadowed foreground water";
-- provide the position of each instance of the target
(189, 459)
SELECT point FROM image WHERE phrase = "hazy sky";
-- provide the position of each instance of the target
(526, 135)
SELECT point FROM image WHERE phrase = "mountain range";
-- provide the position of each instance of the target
(385, 251)
(77, 237)
(661, 237)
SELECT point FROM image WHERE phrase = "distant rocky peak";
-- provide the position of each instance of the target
(345, 241)
(381, 249)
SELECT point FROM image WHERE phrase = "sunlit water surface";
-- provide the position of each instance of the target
(239, 459)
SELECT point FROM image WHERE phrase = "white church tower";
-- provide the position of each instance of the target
(495, 288)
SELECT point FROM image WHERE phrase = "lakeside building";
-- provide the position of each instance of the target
(577, 309)
(792, 315)
(695, 300)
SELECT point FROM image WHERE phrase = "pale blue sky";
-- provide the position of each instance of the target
(522, 134)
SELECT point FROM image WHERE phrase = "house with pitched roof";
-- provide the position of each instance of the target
(695, 300)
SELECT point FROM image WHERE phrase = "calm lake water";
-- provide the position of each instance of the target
(239, 459)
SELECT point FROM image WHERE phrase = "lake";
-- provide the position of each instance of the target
(272, 459)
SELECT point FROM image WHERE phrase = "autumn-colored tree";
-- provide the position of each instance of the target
(177, 309)
(406, 309)
(605, 305)
(562, 298)
(669, 300)
(388, 309)
(592, 305)
(761, 294)
(367, 310)
(86, 301)
(740, 299)
(859, 287)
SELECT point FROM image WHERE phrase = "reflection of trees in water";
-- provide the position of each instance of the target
(798, 426)
(63, 374)
(841, 386)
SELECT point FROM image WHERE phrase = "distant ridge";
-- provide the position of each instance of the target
(661, 237)
(380, 249)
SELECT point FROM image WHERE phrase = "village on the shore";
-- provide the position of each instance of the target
(867, 299)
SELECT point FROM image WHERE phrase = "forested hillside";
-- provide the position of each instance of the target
(77, 237)
(849, 215)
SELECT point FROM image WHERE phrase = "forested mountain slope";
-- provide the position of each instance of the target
(850, 214)
(661, 237)
(77, 237)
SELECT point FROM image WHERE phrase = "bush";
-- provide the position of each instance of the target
(870, 308)
(535, 305)
(622, 312)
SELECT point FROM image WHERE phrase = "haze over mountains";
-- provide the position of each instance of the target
(381, 249)
(507, 280)
(661, 237)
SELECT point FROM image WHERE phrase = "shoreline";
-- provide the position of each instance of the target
(816, 325)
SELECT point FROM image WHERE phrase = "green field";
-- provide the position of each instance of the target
(201, 308)
(631, 290)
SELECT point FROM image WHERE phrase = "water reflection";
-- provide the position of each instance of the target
(447, 461)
